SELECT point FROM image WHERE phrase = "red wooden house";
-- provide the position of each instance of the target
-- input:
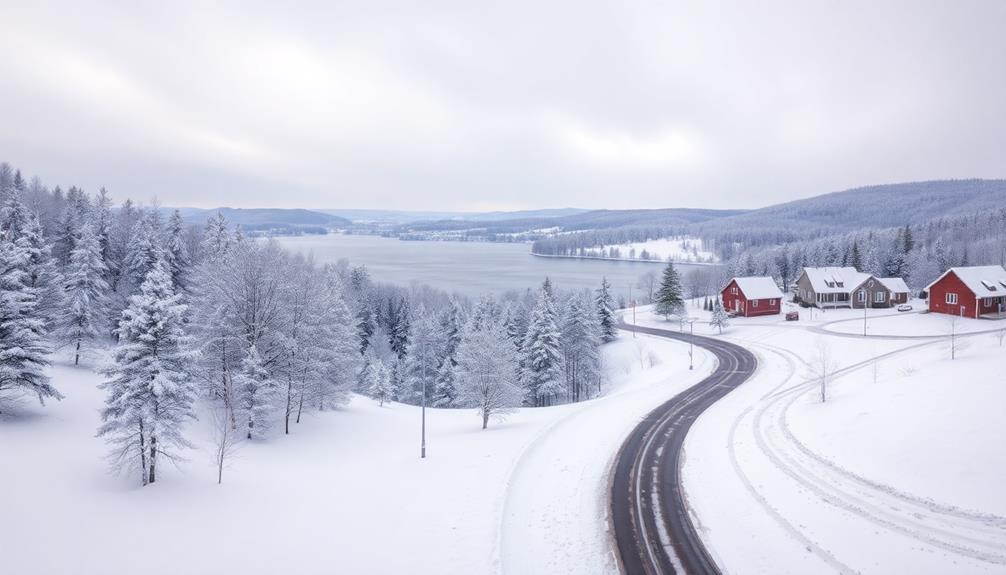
(977, 291)
(752, 296)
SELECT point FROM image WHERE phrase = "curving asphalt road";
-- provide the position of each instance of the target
(653, 530)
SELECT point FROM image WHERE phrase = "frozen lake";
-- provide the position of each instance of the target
(471, 268)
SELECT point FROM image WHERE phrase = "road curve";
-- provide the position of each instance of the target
(653, 531)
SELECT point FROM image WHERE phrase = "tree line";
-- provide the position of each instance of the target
(192, 314)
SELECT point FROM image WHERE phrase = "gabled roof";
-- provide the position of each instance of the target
(835, 280)
(896, 285)
(758, 287)
(983, 281)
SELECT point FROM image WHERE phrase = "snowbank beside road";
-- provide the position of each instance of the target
(902, 475)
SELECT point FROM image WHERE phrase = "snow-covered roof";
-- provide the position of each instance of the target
(835, 280)
(758, 287)
(984, 281)
(896, 285)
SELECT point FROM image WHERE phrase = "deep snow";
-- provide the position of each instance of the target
(345, 492)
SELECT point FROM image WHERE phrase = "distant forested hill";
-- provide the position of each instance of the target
(268, 219)
(860, 208)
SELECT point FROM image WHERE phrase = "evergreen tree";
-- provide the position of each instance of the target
(149, 391)
(82, 320)
(144, 248)
(365, 326)
(855, 259)
(175, 251)
(217, 239)
(605, 306)
(669, 301)
(420, 363)
(378, 381)
(541, 373)
(719, 319)
(22, 346)
(256, 392)
(399, 327)
(580, 345)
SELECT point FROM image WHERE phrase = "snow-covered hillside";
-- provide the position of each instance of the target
(677, 249)
(346, 492)
(900, 470)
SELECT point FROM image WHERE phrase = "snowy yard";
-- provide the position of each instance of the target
(899, 471)
(346, 491)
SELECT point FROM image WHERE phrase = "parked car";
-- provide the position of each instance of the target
(793, 316)
(905, 307)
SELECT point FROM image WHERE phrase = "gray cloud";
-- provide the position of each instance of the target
(501, 105)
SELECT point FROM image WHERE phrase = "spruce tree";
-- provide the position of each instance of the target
(605, 305)
(176, 253)
(541, 373)
(150, 393)
(669, 300)
(256, 393)
(719, 319)
(23, 351)
(83, 318)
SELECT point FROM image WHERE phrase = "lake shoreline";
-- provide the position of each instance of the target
(609, 259)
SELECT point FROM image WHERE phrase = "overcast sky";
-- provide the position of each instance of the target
(505, 105)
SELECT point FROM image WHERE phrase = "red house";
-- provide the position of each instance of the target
(752, 296)
(977, 291)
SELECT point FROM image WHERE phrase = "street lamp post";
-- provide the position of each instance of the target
(691, 343)
(422, 453)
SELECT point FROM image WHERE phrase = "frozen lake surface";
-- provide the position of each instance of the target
(470, 268)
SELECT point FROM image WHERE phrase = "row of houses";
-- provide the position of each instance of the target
(974, 291)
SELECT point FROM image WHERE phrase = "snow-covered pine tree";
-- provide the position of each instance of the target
(82, 320)
(341, 354)
(145, 247)
(541, 366)
(422, 352)
(175, 251)
(378, 380)
(366, 325)
(487, 372)
(580, 345)
(217, 238)
(400, 328)
(150, 393)
(719, 319)
(605, 305)
(23, 351)
(256, 392)
(668, 299)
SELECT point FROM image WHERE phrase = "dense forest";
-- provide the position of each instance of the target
(915, 231)
(175, 314)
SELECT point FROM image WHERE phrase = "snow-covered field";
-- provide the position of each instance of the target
(678, 249)
(346, 492)
(900, 471)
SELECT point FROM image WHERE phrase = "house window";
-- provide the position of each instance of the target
(862, 295)
(754, 303)
(987, 301)
(733, 290)
(879, 297)
(951, 298)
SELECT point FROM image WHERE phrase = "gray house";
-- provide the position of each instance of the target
(835, 287)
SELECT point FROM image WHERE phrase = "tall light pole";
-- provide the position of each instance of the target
(866, 304)
(422, 453)
(691, 343)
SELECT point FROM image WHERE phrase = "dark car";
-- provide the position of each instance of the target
(793, 316)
